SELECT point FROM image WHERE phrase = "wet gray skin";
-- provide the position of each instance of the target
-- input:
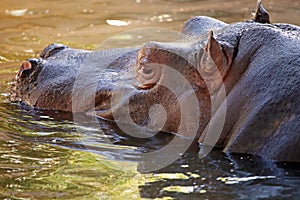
(259, 64)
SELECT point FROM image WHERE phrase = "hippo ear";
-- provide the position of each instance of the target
(220, 54)
(215, 62)
(261, 14)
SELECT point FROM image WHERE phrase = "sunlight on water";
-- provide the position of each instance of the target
(182, 189)
(117, 22)
(16, 13)
(235, 180)
(73, 172)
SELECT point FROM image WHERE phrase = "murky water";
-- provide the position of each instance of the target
(45, 155)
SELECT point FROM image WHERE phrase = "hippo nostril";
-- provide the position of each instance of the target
(30, 66)
(25, 65)
(52, 49)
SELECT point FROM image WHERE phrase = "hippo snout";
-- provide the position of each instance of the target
(32, 67)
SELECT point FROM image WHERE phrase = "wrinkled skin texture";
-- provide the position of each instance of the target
(263, 104)
(258, 62)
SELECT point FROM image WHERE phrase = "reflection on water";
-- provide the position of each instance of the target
(45, 155)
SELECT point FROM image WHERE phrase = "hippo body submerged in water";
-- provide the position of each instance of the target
(257, 63)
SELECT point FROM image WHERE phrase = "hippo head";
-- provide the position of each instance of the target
(163, 86)
(179, 86)
(152, 86)
(132, 82)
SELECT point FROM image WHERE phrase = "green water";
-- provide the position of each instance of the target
(45, 155)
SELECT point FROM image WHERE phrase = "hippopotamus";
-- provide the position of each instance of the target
(256, 63)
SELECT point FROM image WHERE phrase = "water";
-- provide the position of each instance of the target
(45, 155)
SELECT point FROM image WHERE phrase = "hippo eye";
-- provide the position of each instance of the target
(147, 70)
(147, 75)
